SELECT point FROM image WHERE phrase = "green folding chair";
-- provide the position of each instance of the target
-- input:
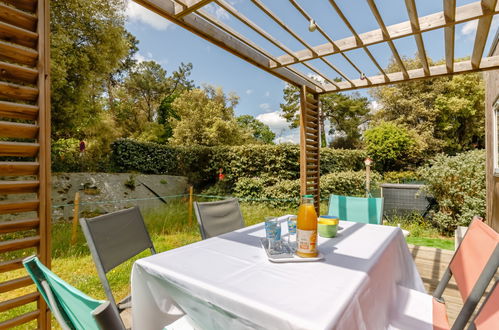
(357, 209)
(72, 308)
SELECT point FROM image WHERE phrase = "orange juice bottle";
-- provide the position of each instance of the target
(306, 228)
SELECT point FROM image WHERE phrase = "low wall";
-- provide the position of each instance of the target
(104, 192)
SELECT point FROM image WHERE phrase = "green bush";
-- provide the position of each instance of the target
(458, 184)
(390, 145)
(401, 177)
(351, 183)
(201, 164)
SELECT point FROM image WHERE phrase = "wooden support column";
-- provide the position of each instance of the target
(24, 155)
(309, 145)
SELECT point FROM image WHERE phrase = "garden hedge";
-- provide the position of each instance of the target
(201, 164)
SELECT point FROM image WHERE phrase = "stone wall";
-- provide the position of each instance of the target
(105, 192)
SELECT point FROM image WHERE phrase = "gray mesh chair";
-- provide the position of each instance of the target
(113, 239)
(217, 218)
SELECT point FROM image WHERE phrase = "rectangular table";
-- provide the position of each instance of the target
(227, 282)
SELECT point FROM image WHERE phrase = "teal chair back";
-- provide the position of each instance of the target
(357, 209)
(71, 307)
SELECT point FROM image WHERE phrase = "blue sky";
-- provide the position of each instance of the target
(261, 93)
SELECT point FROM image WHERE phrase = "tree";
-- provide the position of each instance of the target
(88, 44)
(447, 112)
(344, 112)
(391, 146)
(207, 118)
(259, 130)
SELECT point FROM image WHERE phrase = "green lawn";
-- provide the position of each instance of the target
(169, 228)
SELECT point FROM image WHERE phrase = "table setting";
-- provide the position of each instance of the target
(252, 278)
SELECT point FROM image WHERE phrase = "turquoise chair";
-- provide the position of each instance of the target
(71, 307)
(357, 209)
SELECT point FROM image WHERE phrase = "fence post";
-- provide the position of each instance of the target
(75, 217)
(190, 205)
(368, 162)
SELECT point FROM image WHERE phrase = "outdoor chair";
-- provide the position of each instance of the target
(473, 266)
(114, 238)
(217, 218)
(71, 308)
(487, 317)
(357, 209)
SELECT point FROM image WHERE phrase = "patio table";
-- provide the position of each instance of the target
(227, 282)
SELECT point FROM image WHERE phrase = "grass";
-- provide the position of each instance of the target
(169, 229)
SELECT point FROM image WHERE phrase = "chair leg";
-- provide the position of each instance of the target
(442, 284)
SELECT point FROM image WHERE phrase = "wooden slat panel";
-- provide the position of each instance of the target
(18, 206)
(18, 187)
(9, 265)
(18, 225)
(18, 35)
(18, 92)
(17, 73)
(18, 149)
(18, 168)
(19, 301)
(18, 110)
(18, 130)
(17, 17)
(18, 54)
(25, 318)
(19, 244)
(14, 284)
(28, 5)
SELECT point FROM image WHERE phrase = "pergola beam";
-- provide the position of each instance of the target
(427, 23)
(488, 63)
(450, 16)
(201, 27)
(413, 17)
(386, 37)
(357, 39)
(482, 32)
(191, 6)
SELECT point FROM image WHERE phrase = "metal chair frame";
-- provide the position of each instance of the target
(199, 216)
(97, 256)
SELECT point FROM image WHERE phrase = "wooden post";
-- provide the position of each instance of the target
(190, 205)
(309, 145)
(76, 213)
(368, 179)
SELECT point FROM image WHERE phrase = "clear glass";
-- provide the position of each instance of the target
(273, 234)
(292, 232)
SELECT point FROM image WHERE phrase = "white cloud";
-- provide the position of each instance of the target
(374, 106)
(140, 14)
(267, 93)
(469, 27)
(217, 11)
(139, 57)
(292, 137)
(249, 91)
(316, 77)
(265, 107)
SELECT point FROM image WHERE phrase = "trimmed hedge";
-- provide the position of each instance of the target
(201, 164)
(351, 183)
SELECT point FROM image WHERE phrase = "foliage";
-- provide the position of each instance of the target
(284, 192)
(201, 164)
(391, 146)
(66, 157)
(458, 185)
(207, 118)
(345, 112)
(81, 32)
(401, 177)
(447, 112)
(259, 130)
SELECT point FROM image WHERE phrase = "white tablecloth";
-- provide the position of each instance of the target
(227, 282)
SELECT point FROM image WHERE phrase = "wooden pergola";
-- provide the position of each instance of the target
(25, 101)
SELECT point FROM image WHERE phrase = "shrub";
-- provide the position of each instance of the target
(401, 177)
(458, 184)
(390, 146)
(281, 192)
(201, 164)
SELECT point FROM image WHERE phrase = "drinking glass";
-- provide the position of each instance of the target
(292, 231)
(273, 234)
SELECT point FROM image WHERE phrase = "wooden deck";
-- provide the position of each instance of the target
(431, 264)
